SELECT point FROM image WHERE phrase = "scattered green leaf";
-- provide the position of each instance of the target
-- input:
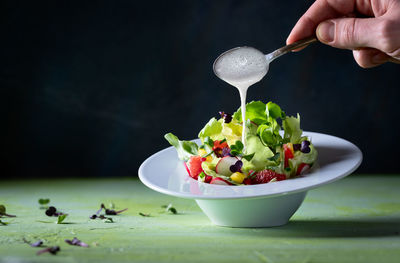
(61, 218)
(3, 223)
(108, 220)
(44, 201)
(170, 208)
(3, 212)
(143, 214)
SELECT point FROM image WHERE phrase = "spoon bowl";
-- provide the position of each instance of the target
(240, 62)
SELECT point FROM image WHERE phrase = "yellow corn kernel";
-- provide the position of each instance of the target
(202, 152)
(238, 177)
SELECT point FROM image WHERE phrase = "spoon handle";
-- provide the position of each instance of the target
(296, 45)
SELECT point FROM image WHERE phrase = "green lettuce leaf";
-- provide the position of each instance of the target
(255, 111)
(274, 111)
(260, 151)
(269, 133)
(291, 126)
(185, 149)
(212, 129)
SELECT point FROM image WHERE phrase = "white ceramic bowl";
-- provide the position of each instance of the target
(262, 205)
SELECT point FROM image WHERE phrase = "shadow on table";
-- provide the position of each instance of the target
(335, 228)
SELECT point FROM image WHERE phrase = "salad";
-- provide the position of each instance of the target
(266, 155)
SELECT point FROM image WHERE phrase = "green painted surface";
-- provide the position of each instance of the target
(356, 219)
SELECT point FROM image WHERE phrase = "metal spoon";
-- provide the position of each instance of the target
(257, 57)
(296, 45)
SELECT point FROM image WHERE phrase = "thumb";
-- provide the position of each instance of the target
(348, 33)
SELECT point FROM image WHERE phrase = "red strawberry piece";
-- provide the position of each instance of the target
(247, 181)
(266, 176)
(194, 166)
(208, 179)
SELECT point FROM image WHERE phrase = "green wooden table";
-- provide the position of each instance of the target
(356, 219)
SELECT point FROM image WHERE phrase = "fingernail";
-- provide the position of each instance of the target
(326, 32)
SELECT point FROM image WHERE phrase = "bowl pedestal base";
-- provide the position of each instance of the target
(259, 212)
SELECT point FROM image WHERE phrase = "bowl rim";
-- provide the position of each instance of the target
(352, 162)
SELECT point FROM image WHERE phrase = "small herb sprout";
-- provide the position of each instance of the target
(107, 212)
(52, 211)
(110, 211)
(170, 208)
(38, 243)
(143, 214)
(3, 223)
(3, 212)
(61, 218)
(236, 149)
(76, 242)
(44, 201)
(109, 220)
(52, 250)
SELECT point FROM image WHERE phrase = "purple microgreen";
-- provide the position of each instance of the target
(226, 116)
(170, 208)
(305, 147)
(51, 211)
(61, 218)
(110, 211)
(226, 151)
(76, 242)
(38, 243)
(144, 215)
(107, 211)
(3, 212)
(52, 250)
(236, 167)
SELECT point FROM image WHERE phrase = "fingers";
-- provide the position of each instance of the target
(354, 33)
(369, 58)
(319, 11)
(349, 33)
(322, 10)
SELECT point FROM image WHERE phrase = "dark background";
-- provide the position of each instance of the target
(89, 89)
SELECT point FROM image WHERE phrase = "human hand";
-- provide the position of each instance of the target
(371, 28)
